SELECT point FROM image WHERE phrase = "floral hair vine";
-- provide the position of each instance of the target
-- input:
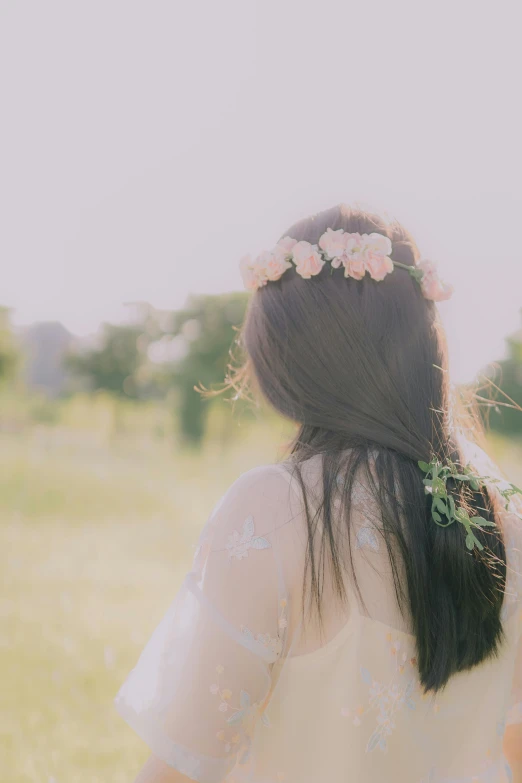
(443, 509)
(357, 253)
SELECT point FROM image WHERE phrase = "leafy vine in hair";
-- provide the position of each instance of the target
(444, 511)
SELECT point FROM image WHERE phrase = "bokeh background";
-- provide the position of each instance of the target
(145, 147)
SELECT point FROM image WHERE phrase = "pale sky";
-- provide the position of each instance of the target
(146, 146)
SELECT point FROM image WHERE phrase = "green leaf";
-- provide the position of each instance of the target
(424, 466)
(436, 516)
(374, 740)
(440, 504)
(471, 542)
(452, 505)
(416, 273)
(481, 522)
(462, 516)
(474, 484)
(439, 487)
(237, 717)
(427, 482)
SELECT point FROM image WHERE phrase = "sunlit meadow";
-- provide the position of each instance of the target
(98, 523)
(99, 515)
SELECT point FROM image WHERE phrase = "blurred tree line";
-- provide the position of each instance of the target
(162, 351)
(507, 416)
(164, 355)
(9, 355)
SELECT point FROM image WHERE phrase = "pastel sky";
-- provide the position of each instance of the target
(146, 146)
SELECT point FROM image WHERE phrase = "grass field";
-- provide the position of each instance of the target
(95, 535)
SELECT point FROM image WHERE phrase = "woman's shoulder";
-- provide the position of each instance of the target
(286, 480)
(263, 480)
(260, 499)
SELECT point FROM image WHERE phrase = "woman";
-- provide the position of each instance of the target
(354, 614)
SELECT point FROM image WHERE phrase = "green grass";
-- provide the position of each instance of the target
(96, 531)
(95, 537)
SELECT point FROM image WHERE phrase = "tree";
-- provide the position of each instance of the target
(8, 350)
(164, 350)
(508, 419)
(205, 331)
(114, 365)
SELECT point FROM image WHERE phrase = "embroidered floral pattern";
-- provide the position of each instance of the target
(239, 543)
(240, 720)
(361, 496)
(367, 538)
(386, 699)
(273, 644)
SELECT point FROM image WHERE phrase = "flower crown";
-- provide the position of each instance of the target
(358, 253)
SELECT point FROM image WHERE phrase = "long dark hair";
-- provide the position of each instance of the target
(361, 366)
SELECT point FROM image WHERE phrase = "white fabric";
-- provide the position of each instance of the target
(232, 687)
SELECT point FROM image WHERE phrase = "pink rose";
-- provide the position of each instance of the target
(353, 257)
(378, 265)
(354, 266)
(377, 243)
(287, 243)
(377, 249)
(252, 274)
(353, 244)
(333, 243)
(274, 264)
(431, 284)
(307, 260)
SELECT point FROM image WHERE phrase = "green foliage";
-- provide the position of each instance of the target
(95, 537)
(115, 364)
(507, 416)
(8, 350)
(444, 512)
(43, 410)
(94, 542)
(201, 334)
(208, 328)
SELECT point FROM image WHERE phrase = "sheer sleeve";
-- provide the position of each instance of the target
(513, 604)
(514, 551)
(515, 713)
(204, 679)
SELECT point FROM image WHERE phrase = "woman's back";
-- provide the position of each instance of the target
(358, 700)
(235, 685)
(330, 593)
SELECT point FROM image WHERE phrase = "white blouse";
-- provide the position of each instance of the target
(234, 686)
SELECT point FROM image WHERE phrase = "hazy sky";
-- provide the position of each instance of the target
(146, 146)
